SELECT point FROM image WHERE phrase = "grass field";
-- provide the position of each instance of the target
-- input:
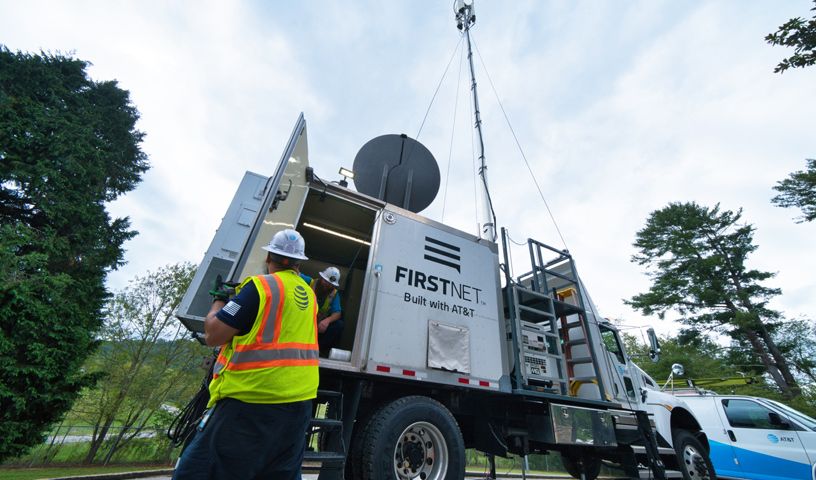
(53, 472)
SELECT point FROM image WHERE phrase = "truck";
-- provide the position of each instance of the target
(448, 343)
(753, 437)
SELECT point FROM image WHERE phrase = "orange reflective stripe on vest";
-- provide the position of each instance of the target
(274, 298)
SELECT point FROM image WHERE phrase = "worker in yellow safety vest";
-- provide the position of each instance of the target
(329, 313)
(265, 376)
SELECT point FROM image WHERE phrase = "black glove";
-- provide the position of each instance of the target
(222, 290)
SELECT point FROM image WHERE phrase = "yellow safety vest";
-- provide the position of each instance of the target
(324, 308)
(277, 361)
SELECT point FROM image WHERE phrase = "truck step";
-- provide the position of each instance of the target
(528, 291)
(535, 311)
(661, 450)
(323, 457)
(325, 423)
(328, 394)
(586, 379)
(577, 341)
(579, 360)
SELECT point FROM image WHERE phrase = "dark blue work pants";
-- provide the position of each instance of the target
(248, 441)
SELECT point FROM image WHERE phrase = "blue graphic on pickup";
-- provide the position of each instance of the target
(753, 464)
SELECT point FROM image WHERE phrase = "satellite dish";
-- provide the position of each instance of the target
(398, 170)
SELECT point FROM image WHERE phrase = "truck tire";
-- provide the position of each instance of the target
(574, 464)
(692, 457)
(354, 469)
(413, 437)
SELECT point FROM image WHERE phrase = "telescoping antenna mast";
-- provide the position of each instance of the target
(466, 18)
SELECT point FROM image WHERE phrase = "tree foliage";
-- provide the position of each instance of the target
(696, 259)
(145, 359)
(799, 190)
(701, 357)
(68, 145)
(800, 34)
(797, 341)
(728, 370)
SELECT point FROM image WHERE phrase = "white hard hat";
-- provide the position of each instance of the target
(288, 243)
(331, 275)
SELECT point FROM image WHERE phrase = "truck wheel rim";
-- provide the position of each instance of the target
(695, 463)
(421, 453)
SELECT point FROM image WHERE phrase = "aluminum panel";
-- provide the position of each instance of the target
(427, 274)
(582, 426)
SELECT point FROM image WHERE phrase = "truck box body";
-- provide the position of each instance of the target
(434, 303)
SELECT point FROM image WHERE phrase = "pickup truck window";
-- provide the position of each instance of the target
(611, 343)
(800, 417)
(747, 414)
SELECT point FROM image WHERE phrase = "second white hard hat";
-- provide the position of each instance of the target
(331, 275)
(288, 243)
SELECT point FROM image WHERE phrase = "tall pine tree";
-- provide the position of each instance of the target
(696, 258)
(68, 146)
(799, 190)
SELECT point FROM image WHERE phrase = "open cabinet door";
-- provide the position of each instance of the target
(281, 208)
(261, 206)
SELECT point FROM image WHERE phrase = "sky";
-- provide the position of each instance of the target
(619, 108)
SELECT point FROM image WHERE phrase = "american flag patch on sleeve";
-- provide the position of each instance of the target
(231, 308)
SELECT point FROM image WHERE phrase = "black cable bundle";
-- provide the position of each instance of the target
(183, 427)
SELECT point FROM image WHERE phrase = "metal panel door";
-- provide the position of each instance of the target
(708, 411)
(261, 207)
(223, 250)
(285, 195)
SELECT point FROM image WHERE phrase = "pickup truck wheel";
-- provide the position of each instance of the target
(692, 457)
(413, 438)
(577, 464)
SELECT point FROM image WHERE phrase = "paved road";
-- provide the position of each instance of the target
(314, 477)
(165, 475)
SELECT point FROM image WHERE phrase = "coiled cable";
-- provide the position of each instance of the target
(183, 427)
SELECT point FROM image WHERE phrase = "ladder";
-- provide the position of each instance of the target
(324, 443)
(548, 321)
(581, 365)
(329, 432)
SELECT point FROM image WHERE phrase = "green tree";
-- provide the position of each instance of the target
(797, 341)
(799, 190)
(799, 34)
(695, 257)
(68, 146)
(699, 356)
(704, 361)
(146, 359)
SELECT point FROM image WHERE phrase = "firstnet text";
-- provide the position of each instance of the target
(433, 283)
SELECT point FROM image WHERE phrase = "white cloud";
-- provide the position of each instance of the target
(620, 108)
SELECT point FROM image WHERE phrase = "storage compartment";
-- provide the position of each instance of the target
(338, 232)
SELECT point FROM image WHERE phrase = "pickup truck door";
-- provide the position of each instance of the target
(723, 455)
(765, 450)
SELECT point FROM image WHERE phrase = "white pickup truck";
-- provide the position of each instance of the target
(755, 438)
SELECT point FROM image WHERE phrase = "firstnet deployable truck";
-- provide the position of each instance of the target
(446, 346)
